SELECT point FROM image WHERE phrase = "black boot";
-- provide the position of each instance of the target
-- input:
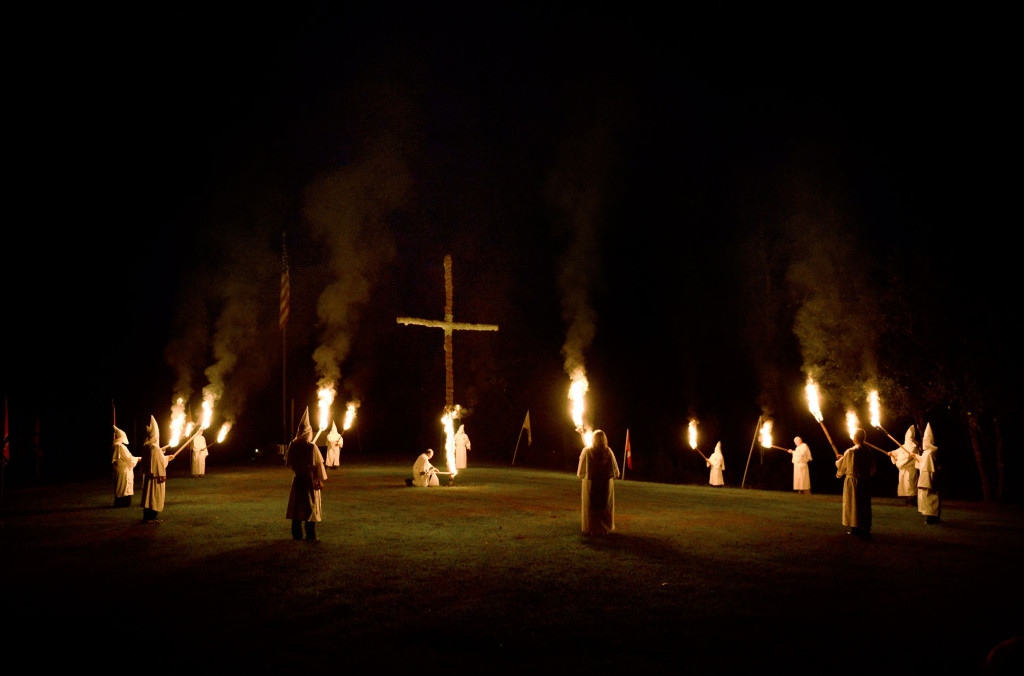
(296, 529)
(311, 531)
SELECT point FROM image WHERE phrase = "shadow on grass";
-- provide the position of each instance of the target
(638, 545)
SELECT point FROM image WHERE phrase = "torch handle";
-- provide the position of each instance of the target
(701, 454)
(780, 448)
(876, 448)
(829, 437)
(317, 436)
(198, 432)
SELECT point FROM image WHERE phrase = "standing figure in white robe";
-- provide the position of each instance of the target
(199, 453)
(462, 445)
(904, 458)
(598, 470)
(856, 467)
(717, 464)
(801, 474)
(928, 502)
(304, 505)
(334, 444)
(423, 473)
(124, 470)
(154, 473)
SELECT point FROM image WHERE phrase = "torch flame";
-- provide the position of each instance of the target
(766, 434)
(177, 421)
(579, 387)
(876, 409)
(189, 427)
(223, 432)
(852, 423)
(449, 441)
(693, 434)
(350, 415)
(326, 396)
(207, 412)
(812, 399)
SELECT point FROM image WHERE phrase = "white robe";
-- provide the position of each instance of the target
(124, 471)
(421, 472)
(304, 502)
(154, 476)
(461, 446)
(801, 474)
(598, 469)
(717, 463)
(904, 461)
(928, 502)
(333, 458)
(856, 466)
(199, 453)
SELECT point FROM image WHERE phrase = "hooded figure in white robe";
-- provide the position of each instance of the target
(856, 467)
(928, 502)
(423, 473)
(199, 453)
(462, 445)
(598, 470)
(717, 464)
(334, 444)
(303, 456)
(801, 474)
(124, 470)
(154, 473)
(905, 459)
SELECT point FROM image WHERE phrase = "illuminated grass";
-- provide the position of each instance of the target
(493, 575)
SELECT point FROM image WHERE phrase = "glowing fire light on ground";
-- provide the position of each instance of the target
(852, 423)
(876, 409)
(448, 420)
(350, 415)
(812, 399)
(766, 434)
(223, 432)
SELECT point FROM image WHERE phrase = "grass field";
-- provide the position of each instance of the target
(493, 576)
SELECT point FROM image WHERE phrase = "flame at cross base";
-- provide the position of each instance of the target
(766, 434)
(448, 420)
(577, 390)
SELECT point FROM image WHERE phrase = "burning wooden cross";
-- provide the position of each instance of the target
(449, 325)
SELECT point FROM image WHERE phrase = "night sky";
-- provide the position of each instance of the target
(662, 194)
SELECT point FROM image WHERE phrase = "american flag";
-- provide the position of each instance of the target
(282, 318)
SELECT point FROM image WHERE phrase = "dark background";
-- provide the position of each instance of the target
(667, 181)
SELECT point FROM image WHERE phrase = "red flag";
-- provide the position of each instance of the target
(285, 305)
(629, 453)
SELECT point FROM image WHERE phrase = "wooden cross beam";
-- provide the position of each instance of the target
(449, 325)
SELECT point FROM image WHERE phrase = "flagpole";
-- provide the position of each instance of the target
(753, 442)
(625, 455)
(518, 439)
